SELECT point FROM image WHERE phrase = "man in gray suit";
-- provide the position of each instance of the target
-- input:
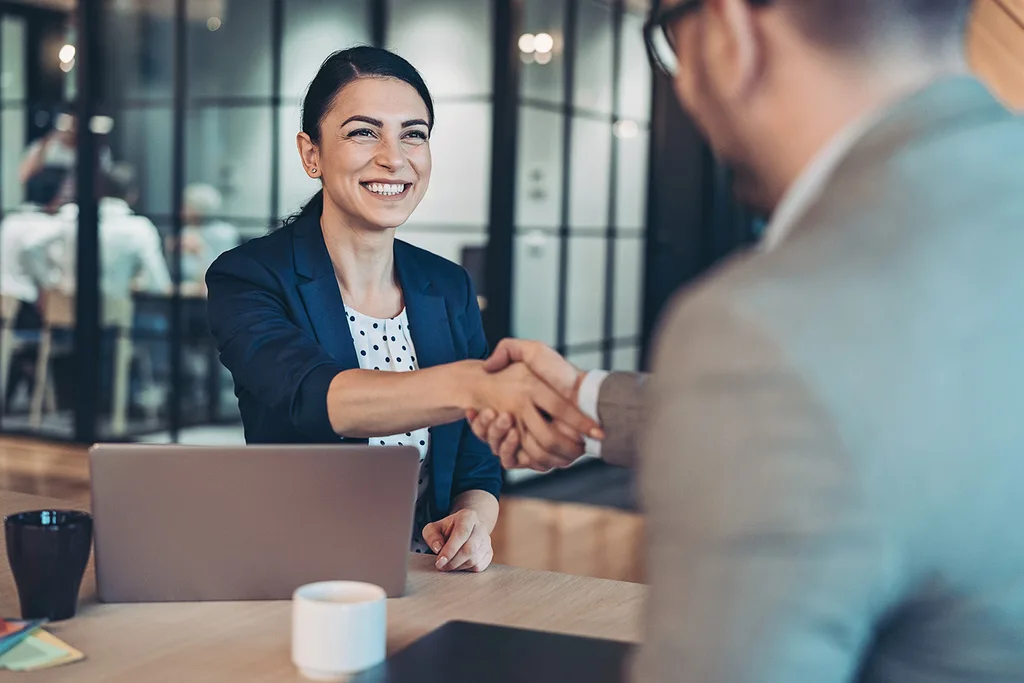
(832, 446)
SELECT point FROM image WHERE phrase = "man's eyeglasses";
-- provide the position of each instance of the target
(659, 33)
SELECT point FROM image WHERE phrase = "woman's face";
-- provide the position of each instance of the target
(374, 152)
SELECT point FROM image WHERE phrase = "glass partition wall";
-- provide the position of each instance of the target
(584, 113)
(194, 106)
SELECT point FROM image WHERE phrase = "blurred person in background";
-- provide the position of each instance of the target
(131, 256)
(58, 148)
(131, 260)
(831, 440)
(33, 223)
(204, 236)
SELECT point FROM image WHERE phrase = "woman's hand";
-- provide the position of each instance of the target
(500, 434)
(461, 541)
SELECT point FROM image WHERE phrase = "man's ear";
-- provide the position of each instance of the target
(738, 46)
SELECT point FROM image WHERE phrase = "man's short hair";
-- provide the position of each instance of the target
(202, 198)
(119, 182)
(45, 185)
(856, 25)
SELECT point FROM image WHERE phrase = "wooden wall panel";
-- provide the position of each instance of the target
(996, 47)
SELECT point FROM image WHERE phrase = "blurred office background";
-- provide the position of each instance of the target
(566, 180)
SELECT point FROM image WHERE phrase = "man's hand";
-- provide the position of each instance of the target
(511, 441)
(560, 374)
(460, 541)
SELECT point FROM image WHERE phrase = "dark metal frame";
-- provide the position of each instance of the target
(276, 56)
(504, 139)
(611, 241)
(569, 97)
(180, 88)
(378, 22)
(87, 286)
(3, 106)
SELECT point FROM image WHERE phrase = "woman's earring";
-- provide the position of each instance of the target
(314, 171)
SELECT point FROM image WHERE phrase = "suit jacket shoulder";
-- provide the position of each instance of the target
(832, 441)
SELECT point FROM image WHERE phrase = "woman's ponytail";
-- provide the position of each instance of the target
(315, 205)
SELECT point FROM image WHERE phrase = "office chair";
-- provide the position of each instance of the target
(58, 312)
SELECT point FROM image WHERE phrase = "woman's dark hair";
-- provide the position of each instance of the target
(337, 71)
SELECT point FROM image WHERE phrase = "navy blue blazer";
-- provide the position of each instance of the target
(277, 315)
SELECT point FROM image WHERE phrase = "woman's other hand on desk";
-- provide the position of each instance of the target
(461, 541)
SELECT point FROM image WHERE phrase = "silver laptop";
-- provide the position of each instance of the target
(188, 523)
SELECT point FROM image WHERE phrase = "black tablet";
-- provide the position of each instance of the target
(464, 652)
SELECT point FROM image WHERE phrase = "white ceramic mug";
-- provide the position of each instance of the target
(339, 628)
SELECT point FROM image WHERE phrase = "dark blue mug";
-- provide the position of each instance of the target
(48, 551)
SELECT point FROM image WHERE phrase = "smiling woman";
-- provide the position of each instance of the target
(366, 125)
(335, 331)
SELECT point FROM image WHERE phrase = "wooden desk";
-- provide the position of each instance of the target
(251, 641)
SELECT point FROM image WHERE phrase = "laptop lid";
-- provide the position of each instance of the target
(465, 652)
(190, 523)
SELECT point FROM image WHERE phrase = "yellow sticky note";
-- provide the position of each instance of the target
(72, 655)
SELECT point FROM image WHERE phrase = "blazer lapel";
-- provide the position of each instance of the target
(431, 332)
(320, 292)
(426, 310)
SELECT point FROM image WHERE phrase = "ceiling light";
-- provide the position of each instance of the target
(101, 125)
(213, 23)
(626, 129)
(544, 57)
(67, 54)
(543, 43)
(66, 67)
(527, 43)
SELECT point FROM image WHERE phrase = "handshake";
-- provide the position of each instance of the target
(527, 407)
